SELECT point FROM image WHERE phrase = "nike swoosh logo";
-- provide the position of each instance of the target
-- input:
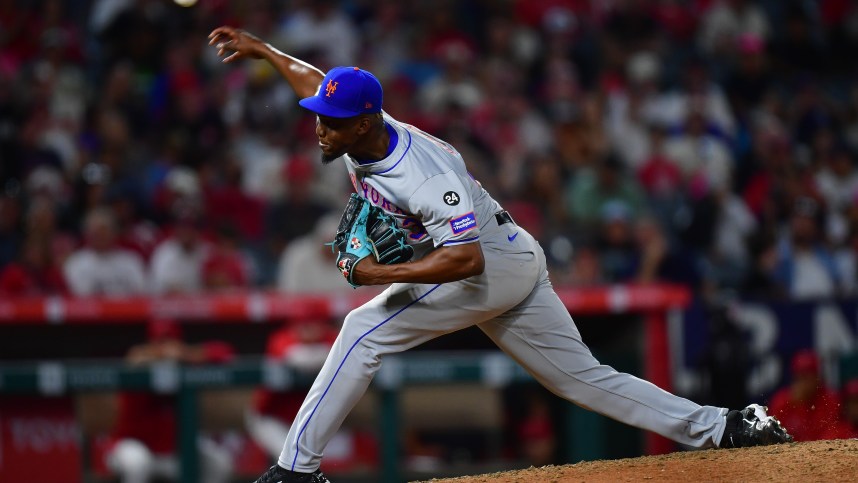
(512, 237)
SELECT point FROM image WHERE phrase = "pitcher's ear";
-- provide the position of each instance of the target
(365, 124)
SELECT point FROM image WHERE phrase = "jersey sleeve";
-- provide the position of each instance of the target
(446, 210)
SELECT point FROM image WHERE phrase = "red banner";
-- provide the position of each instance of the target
(39, 440)
(276, 306)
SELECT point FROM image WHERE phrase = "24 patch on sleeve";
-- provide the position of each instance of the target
(463, 223)
(451, 198)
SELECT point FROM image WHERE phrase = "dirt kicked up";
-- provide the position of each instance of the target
(818, 461)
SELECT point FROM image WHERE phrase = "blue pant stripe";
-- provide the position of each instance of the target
(295, 458)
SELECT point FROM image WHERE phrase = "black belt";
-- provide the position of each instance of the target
(503, 217)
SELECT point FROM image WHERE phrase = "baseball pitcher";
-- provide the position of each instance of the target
(454, 258)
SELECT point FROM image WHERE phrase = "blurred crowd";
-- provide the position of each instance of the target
(705, 142)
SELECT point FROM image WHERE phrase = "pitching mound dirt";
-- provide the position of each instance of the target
(823, 461)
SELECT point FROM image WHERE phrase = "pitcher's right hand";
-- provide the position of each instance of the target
(240, 43)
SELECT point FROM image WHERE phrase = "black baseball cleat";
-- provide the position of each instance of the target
(752, 427)
(278, 474)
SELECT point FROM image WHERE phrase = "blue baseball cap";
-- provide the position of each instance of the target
(346, 92)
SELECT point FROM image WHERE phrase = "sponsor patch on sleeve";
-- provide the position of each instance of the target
(463, 223)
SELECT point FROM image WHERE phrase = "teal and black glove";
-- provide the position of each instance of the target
(363, 230)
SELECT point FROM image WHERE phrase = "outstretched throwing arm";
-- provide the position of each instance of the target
(238, 44)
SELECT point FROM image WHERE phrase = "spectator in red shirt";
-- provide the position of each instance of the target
(226, 267)
(35, 274)
(134, 232)
(805, 406)
(303, 346)
(228, 201)
(537, 432)
(145, 430)
(847, 426)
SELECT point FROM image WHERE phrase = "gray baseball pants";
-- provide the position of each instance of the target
(513, 302)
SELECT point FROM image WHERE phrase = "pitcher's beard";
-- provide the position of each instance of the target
(329, 158)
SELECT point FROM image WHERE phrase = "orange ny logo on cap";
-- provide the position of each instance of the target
(331, 88)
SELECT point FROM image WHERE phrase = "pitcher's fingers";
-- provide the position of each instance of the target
(232, 57)
(225, 38)
(220, 31)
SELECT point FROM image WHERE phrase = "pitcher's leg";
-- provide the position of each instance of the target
(341, 382)
(404, 316)
(541, 336)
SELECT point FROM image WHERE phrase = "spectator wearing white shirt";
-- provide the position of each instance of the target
(629, 115)
(837, 181)
(804, 267)
(176, 265)
(307, 265)
(700, 155)
(729, 261)
(322, 28)
(698, 92)
(101, 267)
(455, 85)
(727, 20)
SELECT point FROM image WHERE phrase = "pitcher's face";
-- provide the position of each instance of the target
(337, 135)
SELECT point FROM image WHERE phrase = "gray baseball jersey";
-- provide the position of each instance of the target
(425, 184)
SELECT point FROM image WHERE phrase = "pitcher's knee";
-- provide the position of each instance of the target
(360, 330)
(367, 340)
(358, 321)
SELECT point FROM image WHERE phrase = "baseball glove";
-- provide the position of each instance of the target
(363, 230)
